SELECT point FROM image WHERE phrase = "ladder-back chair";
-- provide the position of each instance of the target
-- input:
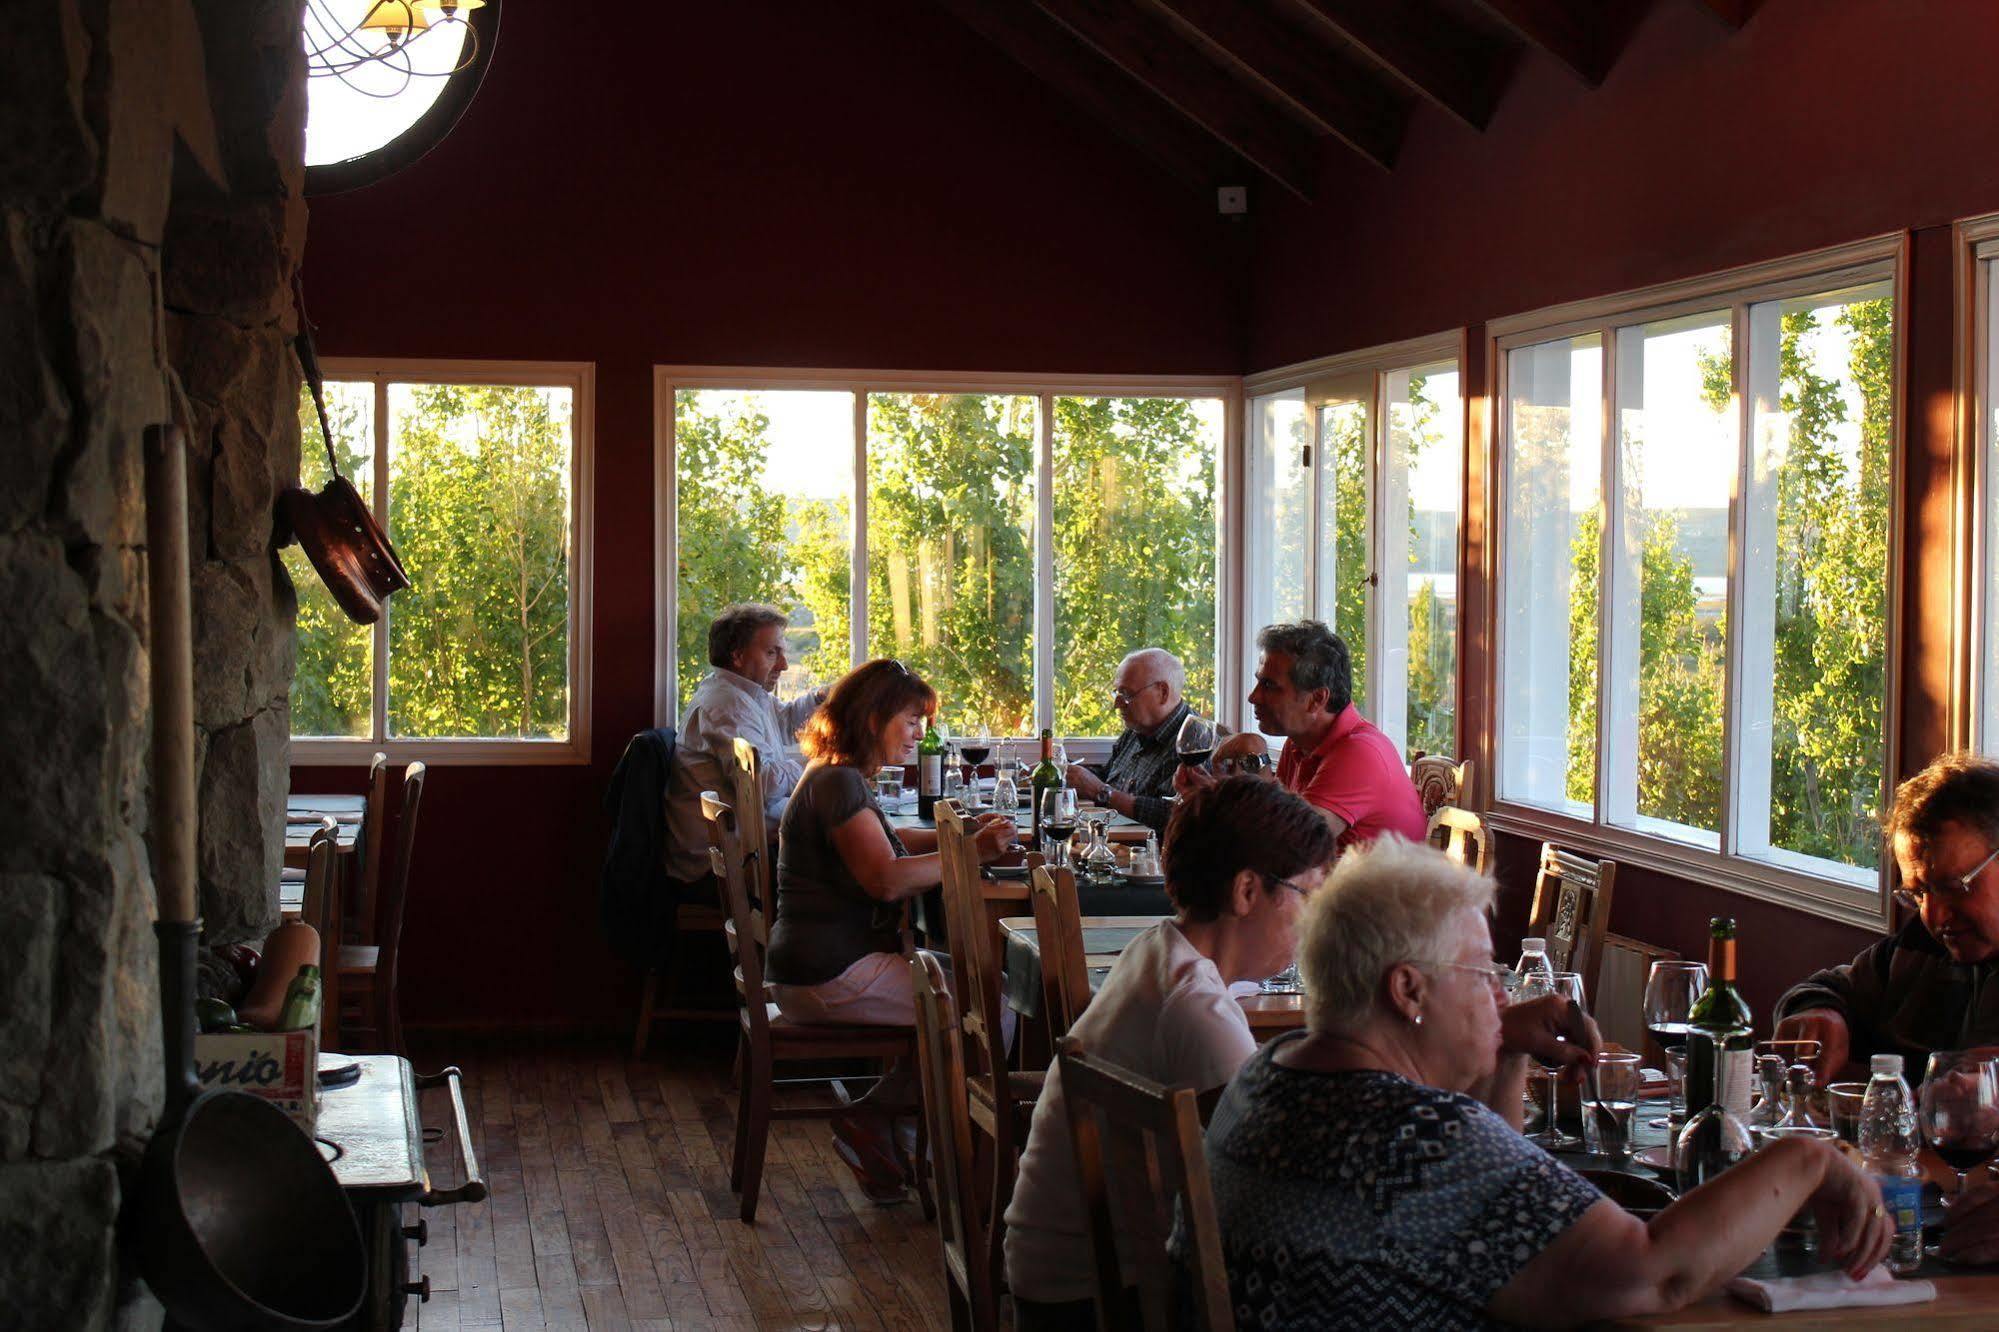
(1138, 1153)
(1058, 937)
(947, 1112)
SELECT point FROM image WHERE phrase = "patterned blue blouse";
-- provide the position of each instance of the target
(1363, 1200)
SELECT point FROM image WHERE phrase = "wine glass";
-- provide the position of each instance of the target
(1570, 986)
(1958, 1108)
(1670, 991)
(1196, 740)
(976, 749)
(1058, 822)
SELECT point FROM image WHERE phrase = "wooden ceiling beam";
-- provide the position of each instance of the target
(1577, 33)
(1337, 94)
(1107, 94)
(1139, 42)
(1460, 70)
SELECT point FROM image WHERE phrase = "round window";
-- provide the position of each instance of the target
(387, 81)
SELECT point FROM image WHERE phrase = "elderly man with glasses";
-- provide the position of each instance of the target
(1137, 779)
(1934, 983)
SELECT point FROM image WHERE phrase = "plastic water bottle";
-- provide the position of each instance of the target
(1888, 1146)
(1534, 969)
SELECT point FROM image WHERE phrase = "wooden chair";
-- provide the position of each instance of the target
(947, 1113)
(1572, 896)
(369, 973)
(1001, 1099)
(374, 831)
(741, 769)
(688, 918)
(1618, 1001)
(1138, 1154)
(321, 910)
(1461, 835)
(1440, 781)
(1058, 934)
(767, 1038)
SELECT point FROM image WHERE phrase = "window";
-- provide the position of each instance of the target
(477, 472)
(1016, 540)
(1355, 475)
(1695, 503)
(388, 80)
(1981, 236)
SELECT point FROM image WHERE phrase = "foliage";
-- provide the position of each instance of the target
(1433, 658)
(479, 482)
(1343, 437)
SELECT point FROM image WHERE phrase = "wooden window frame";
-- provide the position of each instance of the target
(669, 380)
(1839, 898)
(493, 751)
(1324, 380)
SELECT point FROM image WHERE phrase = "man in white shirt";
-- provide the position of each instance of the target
(746, 648)
(1241, 856)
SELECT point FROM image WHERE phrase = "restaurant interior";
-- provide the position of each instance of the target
(1611, 376)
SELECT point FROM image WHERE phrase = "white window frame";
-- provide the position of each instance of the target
(1974, 719)
(579, 377)
(1860, 899)
(1383, 620)
(669, 380)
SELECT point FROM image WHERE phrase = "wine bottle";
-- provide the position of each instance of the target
(929, 772)
(1046, 777)
(1721, 1014)
(1714, 1138)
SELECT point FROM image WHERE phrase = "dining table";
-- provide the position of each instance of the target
(1104, 938)
(304, 815)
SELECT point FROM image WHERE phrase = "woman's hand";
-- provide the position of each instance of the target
(1855, 1230)
(995, 833)
(1553, 1031)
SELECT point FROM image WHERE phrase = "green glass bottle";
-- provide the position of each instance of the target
(1046, 777)
(300, 1009)
(1723, 1016)
(929, 772)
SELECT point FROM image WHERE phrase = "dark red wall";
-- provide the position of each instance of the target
(1820, 122)
(781, 183)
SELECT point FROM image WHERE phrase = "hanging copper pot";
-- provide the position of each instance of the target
(334, 526)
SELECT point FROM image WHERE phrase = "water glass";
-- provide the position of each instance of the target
(1842, 1102)
(1611, 1105)
(1286, 981)
(888, 785)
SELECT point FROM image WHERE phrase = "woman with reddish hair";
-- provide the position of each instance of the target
(842, 877)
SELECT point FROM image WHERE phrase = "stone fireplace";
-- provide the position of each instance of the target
(151, 219)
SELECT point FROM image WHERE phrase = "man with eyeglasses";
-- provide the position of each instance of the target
(1931, 985)
(1138, 777)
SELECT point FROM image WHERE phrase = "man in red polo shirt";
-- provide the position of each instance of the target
(1333, 756)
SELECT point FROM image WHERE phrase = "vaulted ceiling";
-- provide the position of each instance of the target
(1213, 90)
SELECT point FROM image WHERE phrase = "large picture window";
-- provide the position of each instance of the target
(1355, 474)
(477, 473)
(1693, 612)
(1013, 541)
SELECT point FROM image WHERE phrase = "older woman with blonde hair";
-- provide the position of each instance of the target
(1360, 1186)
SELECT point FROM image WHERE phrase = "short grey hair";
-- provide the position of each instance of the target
(736, 626)
(1319, 659)
(1385, 902)
(1164, 665)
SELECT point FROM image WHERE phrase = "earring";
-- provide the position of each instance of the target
(1418, 1019)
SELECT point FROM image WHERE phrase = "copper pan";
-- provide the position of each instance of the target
(334, 526)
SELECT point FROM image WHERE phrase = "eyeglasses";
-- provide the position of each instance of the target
(1949, 887)
(1121, 696)
(1244, 764)
(1270, 882)
(1495, 975)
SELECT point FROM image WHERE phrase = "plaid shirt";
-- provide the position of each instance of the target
(1142, 763)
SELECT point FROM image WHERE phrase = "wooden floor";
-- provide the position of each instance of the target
(610, 1205)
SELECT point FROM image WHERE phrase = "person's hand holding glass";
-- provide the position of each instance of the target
(1569, 986)
(1670, 991)
(1058, 823)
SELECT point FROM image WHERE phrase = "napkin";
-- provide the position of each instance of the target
(1829, 1290)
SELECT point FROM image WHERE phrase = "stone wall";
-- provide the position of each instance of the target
(125, 271)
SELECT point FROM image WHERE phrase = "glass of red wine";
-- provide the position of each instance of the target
(976, 749)
(1958, 1108)
(1196, 740)
(1058, 823)
(1670, 991)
